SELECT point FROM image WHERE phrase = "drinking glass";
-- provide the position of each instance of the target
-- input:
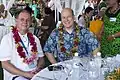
(84, 67)
(68, 68)
(104, 67)
(93, 73)
(57, 72)
(110, 63)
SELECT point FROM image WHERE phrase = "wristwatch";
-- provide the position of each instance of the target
(113, 36)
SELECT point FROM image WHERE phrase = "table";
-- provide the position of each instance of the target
(76, 71)
(45, 74)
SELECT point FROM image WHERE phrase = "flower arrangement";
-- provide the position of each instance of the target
(76, 41)
(20, 48)
(115, 75)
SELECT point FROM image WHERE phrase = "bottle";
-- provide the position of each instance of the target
(98, 62)
(98, 59)
(76, 61)
(76, 67)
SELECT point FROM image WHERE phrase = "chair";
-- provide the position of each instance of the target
(1, 72)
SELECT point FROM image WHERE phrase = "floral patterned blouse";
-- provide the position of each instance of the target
(87, 44)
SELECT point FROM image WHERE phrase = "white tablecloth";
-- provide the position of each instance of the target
(45, 74)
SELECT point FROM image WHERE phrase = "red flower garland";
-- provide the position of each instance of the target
(20, 48)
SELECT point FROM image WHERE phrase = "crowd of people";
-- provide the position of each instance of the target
(23, 52)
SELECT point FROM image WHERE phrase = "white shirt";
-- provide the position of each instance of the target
(9, 52)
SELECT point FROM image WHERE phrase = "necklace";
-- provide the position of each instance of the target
(76, 41)
(21, 50)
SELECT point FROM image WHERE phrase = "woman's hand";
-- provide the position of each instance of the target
(99, 36)
(110, 37)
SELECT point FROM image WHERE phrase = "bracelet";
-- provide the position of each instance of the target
(113, 36)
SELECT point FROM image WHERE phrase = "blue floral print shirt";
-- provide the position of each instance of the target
(87, 44)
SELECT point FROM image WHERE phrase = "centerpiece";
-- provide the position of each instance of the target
(114, 75)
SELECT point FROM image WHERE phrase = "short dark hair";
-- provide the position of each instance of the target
(88, 9)
(27, 9)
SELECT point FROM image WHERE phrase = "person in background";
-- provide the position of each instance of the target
(13, 10)
(49, 22)
(96, 25)
(110, 42)
(34, 8)
(68, 39)
(3, 12)
(51, 5)
(22, 55)
(85, 18)
(5, 17)
(6, 20)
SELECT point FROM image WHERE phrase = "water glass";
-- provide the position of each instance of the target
(84, 68)
(57, 72)
(104, 67)
(85, 61)
(93, 72)
(68, 68)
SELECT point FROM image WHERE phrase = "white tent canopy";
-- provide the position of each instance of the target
(76, 5)
(7, 3)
